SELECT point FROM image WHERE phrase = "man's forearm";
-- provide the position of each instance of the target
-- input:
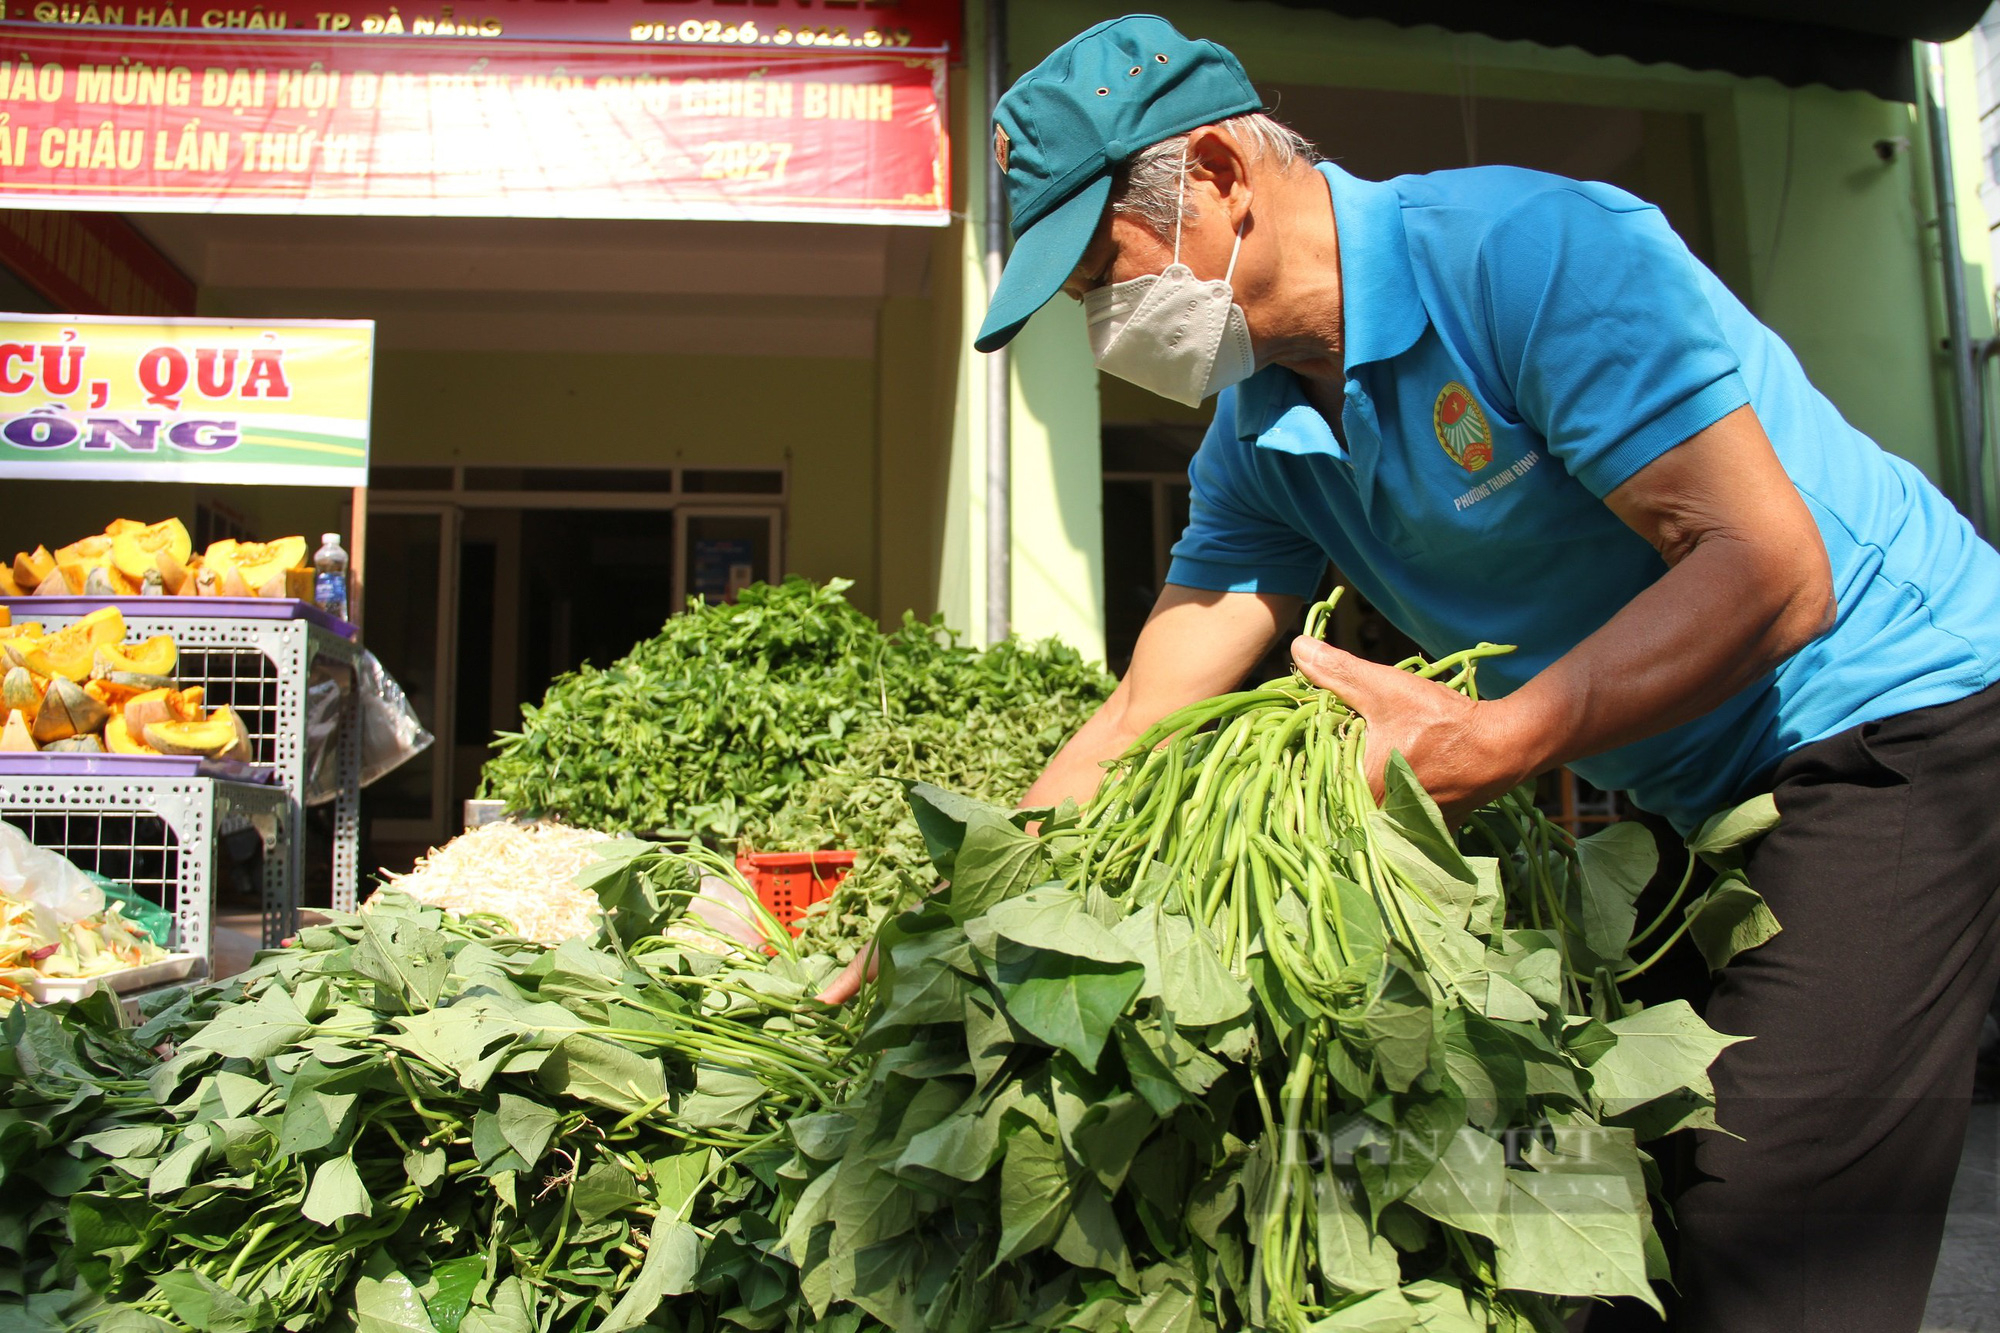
(1078, 768)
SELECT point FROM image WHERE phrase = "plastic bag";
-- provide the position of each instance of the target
(30, 874)
(391, 733)
(142, 912)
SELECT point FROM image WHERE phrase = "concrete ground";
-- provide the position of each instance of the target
(234, 939)
(1965, 1293)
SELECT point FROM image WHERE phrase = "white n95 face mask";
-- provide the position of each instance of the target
(1170, 332)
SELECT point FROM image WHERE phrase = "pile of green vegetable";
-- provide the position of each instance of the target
(1236, 1047)
(765, 719)
(66, 1071)
(419, 1122)
(789, 721)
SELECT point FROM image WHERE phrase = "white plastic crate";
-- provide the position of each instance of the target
(163, 837)
(262, 669)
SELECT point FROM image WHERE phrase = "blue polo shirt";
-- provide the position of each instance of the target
(1519, 345)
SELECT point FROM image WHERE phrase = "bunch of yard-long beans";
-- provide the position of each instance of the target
(1373, 942)
(1243, 794)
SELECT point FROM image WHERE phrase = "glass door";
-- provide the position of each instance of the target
(721, 551)
(413, 568)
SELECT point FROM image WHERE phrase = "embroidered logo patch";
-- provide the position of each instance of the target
(1001, 143)
(1462, 427)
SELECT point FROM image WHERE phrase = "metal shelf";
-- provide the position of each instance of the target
(165, 837)
(264, 670)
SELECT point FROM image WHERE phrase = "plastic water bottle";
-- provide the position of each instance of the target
(330, 576)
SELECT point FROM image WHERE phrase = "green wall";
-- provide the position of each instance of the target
(816, 416)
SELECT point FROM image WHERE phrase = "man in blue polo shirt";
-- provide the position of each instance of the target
(1513, 407)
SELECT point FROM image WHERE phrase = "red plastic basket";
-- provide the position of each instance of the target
(787, 883)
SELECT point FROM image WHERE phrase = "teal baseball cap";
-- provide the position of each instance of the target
(1061, 131)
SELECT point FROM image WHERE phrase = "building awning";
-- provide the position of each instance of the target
(1861, 45)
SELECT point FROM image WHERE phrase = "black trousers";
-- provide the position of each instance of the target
(1851, 1101)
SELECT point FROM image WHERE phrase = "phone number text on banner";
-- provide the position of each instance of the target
(493, 129)
(283, 402)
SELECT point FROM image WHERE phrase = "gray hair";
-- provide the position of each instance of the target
(1149, 185)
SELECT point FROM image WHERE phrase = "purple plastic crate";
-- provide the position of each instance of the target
(182, 608)
(66, 765)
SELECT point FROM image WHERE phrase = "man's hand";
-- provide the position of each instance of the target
(848, 984)
(1451, 743)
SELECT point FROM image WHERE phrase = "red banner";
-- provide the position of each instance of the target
(840, 25)
(495, 129)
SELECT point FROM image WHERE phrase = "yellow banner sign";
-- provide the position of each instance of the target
(283, 402)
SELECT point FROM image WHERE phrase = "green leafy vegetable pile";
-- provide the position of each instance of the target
(772, 718)
(788, 721)
(1234, 1047)
(65, 1071)
(418, 1122)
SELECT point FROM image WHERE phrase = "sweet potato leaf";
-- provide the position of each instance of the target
(1036, 1193)
(336, 1192)
(1616, 863)
(1727, 920)
(1660, 1050)
(1572, 1233)
(1070, 1003)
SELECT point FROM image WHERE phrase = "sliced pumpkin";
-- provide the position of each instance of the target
(27, 629)
(68, 710)
(86, 551)
(68, 653)
(240, 751)
(142, 710)
(139, 549)
(118, 738)
(76, 745)
(15, 738)
(57, 584)
(118, 527)
(186, 706)
(106, 625)
(21, 693)
(256, 562)
(98, 582)
(220, 735)
(233, 584)
(116, 688)
(173, 571)
(30, 568)
(71, 653)
(156, 656)
(6, 613)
